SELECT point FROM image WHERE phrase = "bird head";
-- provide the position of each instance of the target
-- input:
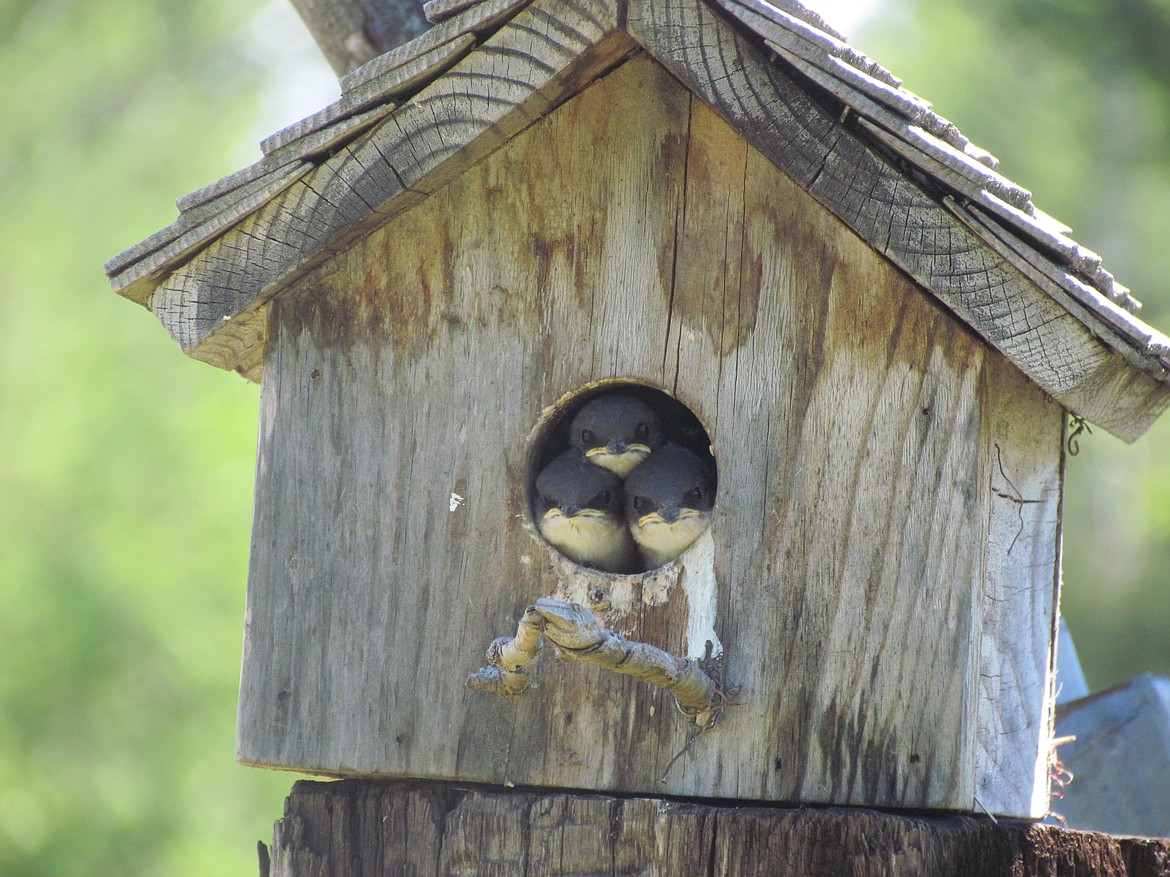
(569, 486)
(616, 431)
(669, 500)
(578, 509)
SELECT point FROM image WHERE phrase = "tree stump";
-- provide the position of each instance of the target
(354, 828)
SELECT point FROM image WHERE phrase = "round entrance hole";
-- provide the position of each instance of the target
(621, 477)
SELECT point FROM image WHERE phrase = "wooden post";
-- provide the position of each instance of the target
(356, 828)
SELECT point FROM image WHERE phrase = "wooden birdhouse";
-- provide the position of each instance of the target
(717, 207)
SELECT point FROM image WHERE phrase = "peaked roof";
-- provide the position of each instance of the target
(843, 127)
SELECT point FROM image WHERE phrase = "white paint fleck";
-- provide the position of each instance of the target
(456, 501)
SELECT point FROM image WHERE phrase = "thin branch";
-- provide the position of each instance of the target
(579, 636)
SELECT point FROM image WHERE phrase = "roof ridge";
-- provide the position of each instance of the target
(811, 17)
(907, 125)
(863, 100)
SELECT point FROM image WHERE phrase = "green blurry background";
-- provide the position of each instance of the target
(126, 469)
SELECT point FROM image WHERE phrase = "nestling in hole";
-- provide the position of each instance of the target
(629, 485)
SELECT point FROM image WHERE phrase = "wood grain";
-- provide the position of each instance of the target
(478, 17)
(908, 225)
(826, 416)
(438, 10)
(410, 74)
(1020, 595)
(432, 321)
(903, 122)
(1130, 337)
(355, 829)
(323, 132)
(847, 551)
(137, 272)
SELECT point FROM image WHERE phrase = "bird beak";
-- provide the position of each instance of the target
(654, 518)
(591, 513)
(571, 510)
(621, 464)
(668, 515)
(616, 449)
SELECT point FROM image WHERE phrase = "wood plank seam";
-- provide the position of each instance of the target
(679, 222)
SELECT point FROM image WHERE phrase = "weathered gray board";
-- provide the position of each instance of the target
(882, 565)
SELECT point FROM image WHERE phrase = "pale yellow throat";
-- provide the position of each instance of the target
(620, 464)
(660, 542)
(590, 538)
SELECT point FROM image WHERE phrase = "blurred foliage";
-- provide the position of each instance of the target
(126, 470)
(1073, 97)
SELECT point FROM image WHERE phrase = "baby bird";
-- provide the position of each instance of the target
(668, 503)
(616, 432)
(578, 508)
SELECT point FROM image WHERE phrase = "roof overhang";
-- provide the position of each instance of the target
(843, 128)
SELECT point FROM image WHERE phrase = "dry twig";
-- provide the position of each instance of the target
(579, 636)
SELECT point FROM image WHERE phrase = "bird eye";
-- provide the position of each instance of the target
(694, 496)
(640, 504)
(587, 438)
(602, 499)
(642, 431)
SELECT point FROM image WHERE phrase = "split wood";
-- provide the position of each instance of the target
(579, 636)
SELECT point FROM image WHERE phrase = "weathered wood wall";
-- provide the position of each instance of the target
(882, 564)
(356, 828)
